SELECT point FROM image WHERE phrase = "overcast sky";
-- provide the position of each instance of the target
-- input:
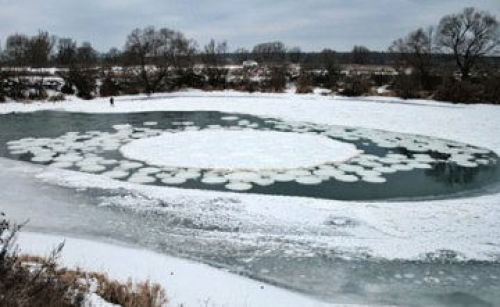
(310, 24)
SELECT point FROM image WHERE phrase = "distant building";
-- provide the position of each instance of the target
(250, 63)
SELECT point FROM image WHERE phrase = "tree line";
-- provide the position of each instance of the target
(162, 59)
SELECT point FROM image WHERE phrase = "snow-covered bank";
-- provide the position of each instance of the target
(186, 283)
(473, 124)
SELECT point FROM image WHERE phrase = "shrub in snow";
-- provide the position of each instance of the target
(109, 87)
(356, 86)
(39, 282)
(277, 80)
(459, 91)
(57, 97)
(304, 84)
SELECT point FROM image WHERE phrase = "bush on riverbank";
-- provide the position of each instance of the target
(32, 281)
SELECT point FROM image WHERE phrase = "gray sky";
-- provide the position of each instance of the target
(310, 24)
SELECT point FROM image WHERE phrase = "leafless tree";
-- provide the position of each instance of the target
(214, 52)
(469, 35)
(40, 49)
(242, 54)
(415, 51)
(156, 52)
(213, 58)
(112, 57)
(274, 52)
(294, 54)
(86, 55)
(329, 63)
(360, 55)
(66, 51)
(16, 49)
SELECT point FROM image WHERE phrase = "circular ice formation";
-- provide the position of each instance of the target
(246, 149)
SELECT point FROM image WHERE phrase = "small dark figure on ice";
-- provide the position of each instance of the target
(112, 101)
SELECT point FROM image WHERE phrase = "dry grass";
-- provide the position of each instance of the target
(143, 294)
(78, 282)
(34, 281)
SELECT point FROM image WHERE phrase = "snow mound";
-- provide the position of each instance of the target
(245, 149)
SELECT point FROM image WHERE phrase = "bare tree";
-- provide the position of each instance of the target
(270, 52)
(86, 55)
(360, 55)
(16, 49)
(156, 52)
(294, 54)
(415, 51)
(242, 54)
(213, 58)
(470, 35)
(66, 51)
(40, 49)
(214, 52)
(112, 57)
(329, 63)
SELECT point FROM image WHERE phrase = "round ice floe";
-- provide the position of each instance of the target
(483, 161)
(188, 174)
(242, 176)
(42, 158)
(346, 178)
(238, 186)
(243, 122)
(466, 163)
(19, 152)
(328, 172)
(351, 168)
(417, 165)
(92, 168)
(423, 158)
(122, 127)
(210, 179)
(116, 174)
(173, 180)
(229, 118)
(164, 175)
(129, 165)
(108, 162)
(249, 149)
(139, 178)
(149, 170)
(283, 177)
(264, 181)
(308, 180)
(298, 172)
(373, 179)
(385, 169)
(369, 163)
(402, 167)
(368, 173)
(62, 164)
(68, 158)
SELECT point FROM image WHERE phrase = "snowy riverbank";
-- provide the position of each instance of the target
(187, 283)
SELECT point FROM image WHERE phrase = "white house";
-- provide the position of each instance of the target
(250, 63)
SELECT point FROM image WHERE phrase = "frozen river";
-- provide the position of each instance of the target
(310, 250)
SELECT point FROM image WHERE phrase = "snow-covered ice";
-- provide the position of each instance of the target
(246, 149)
